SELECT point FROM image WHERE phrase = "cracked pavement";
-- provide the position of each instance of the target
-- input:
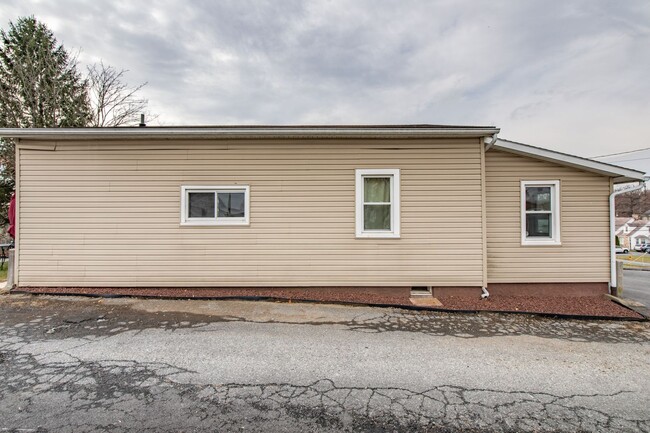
(71, 364)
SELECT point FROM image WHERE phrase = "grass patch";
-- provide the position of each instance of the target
(640, 259)
(3, 272)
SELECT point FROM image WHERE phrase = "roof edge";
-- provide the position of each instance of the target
(143, 133)
(620, 174)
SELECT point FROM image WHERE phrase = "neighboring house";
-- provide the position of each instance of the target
(632, 232)
(624, 226)
(641, 234)
(324, 206)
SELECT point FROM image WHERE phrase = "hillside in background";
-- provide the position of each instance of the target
(633, 204)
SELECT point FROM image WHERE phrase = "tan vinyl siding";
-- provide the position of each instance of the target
(584, 253)
(109, 215)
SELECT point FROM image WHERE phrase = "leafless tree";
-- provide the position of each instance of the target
(113, 102)
(633, 203)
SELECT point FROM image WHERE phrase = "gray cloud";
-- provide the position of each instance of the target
(564, 75)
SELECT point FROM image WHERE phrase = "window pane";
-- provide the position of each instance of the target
(201, 205)
(538, 198)
(538, 225)
(376, 189)
(376, 217)
(231, 204)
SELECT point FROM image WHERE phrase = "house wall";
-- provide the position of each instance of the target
(109, 214)
(640, 236)
(584, 253)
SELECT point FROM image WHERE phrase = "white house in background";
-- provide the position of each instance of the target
(624, 225)
(632, 232)
(641, 234)
(623, 229)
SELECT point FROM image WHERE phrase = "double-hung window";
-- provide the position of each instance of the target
(377, 203)
(215, 205)
(540, 212)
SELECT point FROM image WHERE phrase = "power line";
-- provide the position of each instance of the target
(630, 160)
(622, 153)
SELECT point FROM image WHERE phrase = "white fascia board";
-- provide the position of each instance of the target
(620, 174)
(235, 132)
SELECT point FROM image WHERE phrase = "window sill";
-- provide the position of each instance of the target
(215, 223)
(377, 236)
(549, 243)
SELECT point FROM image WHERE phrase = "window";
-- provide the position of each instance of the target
(215, 205)
(377, 203)
(540, 212)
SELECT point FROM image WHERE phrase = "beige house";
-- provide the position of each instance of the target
(323, 206)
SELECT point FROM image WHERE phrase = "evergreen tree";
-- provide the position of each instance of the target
(39, 87)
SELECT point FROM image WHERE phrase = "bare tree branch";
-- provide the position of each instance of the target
(635, 203)
(113, 102)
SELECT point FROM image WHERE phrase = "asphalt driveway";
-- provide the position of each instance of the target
(79, 364)
(636, 286)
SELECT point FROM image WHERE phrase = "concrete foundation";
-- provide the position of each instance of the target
(563, 290)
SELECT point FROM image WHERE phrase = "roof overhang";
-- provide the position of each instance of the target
(619, 174)
(239, 132)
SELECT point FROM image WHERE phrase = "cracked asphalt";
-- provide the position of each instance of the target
(70, 364)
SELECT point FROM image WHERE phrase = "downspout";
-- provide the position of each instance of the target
(612, 232)
(488, 144)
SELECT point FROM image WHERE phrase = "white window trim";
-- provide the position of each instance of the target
(394, 208)
(186, 221)
(555, 213)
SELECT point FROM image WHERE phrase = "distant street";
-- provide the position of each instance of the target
(119, 365)
(636, 286)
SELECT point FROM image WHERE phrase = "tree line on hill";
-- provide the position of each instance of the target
(633, 204)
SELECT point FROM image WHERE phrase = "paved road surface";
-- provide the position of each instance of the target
(76, 365)
(636, 286)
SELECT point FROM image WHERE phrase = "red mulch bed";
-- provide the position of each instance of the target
(576, 306)
(596, 306)
(361, 295)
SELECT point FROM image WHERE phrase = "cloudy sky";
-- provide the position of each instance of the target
(566, 75)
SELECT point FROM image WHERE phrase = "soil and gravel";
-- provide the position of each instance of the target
(590, 306)
(598, 306)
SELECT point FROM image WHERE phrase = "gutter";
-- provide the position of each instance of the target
(489, 144)
(612, 231)
(142, 133)
(620, 174)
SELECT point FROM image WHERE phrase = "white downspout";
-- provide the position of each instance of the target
(612, 231)
(488, 144)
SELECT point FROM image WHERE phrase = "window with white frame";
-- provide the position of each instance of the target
(215, 205)
(377, 203)
(540, 212)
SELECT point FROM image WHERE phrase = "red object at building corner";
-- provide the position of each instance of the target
(12, 216)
